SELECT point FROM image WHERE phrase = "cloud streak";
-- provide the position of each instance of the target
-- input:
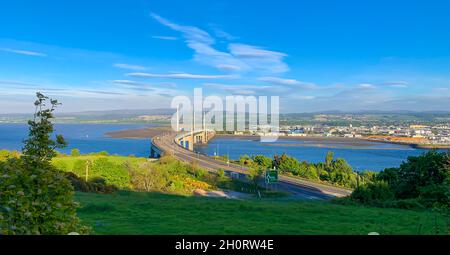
(24, 52)
(288, 82)
(166, 38)
(135, 84)
(246, 89)
(130, 67)
(181, 76)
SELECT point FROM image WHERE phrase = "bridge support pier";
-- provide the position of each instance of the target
(155, 152)
(189, 139)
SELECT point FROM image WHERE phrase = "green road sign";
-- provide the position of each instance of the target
(271, 176)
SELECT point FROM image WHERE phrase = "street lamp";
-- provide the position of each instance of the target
(228, 155)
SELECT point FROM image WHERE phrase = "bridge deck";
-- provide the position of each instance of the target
(297, 187)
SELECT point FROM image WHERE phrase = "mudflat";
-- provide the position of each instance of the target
(300, 138)
(140, 133)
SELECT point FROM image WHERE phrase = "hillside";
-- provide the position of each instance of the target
(154, 213)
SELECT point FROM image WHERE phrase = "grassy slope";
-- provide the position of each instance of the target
(151, 213)
(69, 161)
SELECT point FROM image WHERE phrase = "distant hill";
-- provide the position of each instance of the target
(161, 111)
(163, 115)
(113, 116)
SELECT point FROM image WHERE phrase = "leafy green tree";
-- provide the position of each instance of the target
(373, 193)
(329, 159)
(287, 163)
(421, 171)
(36, 198)
(263, 161)
(309, 171)
(245, 160)
(421, 181)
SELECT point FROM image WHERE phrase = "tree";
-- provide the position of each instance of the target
(75, 152)
(245, 160)
(287, 163)
(421, 181)
(263, 161)
(427, 169)
(373, 193)
(36, 198)
(341, 173)
(329, 159)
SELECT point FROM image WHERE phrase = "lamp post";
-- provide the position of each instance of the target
(228, 155)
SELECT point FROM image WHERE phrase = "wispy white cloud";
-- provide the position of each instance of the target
(288, 82)
(249, 51)
(133, 85)
(246, 89)
(306, 97)
(181, 76)
(240, 57)
(24, 52)
(20, 87)
(366, 86)
(130, 67)
(222, 34)
(232, 68)
(396, 84)
(189, 32)
(167, 38)
(137, 85)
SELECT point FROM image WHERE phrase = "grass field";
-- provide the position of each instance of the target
(68, 162)
(153, 213)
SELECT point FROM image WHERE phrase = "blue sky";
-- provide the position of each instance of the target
(316, 55)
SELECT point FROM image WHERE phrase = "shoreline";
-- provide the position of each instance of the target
(356, 141)
(150, 132)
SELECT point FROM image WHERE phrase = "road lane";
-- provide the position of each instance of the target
(299, 188)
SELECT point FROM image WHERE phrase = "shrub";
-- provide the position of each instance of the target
(100, 153)
(97, 185)
(437, 196)
(112, 173)
(373, 193)
(147, 178)
(221, 172)
(75, 152)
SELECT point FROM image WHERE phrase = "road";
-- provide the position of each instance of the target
(299, 188)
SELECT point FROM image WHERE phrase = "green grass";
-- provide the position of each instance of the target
(67, 162)
(153, 213)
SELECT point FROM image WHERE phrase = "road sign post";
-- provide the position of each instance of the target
(271, 177)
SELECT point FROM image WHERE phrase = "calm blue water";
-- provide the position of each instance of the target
(362, 156)
(90, 138)
(87, 138)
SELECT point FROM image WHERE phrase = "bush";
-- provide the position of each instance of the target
(97, 185)
(437, 196)
(100, 153)
(147, 178)
(75, 152)
(373, 193)
(113, 174)
(5, 154)
(221, 172)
